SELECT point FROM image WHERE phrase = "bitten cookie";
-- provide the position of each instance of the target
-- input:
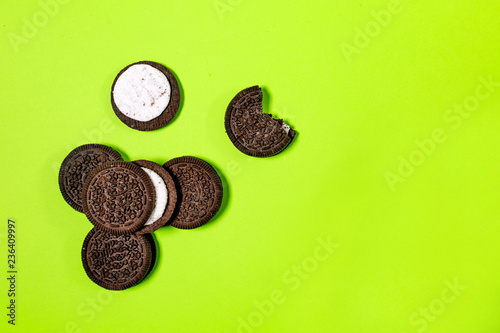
(253, 132)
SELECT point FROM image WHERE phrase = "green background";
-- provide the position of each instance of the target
(398, 247)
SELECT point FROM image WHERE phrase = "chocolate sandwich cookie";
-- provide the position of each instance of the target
(118, 197)
(116, 262)
(166, 196)
(145, 96)
(199, 191)
(253, 132)
(77, 165)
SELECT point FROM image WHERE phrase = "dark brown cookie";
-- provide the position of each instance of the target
(199, 191)
(77, 165)
(118, 197)
(116, 262)
(171, 196)
(145, 96)
(253, 132)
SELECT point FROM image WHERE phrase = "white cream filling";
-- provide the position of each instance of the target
(286, 127)
(161, 196)
(142, 92)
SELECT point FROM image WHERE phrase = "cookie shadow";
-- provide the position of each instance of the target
(266, 100)
(160, 161)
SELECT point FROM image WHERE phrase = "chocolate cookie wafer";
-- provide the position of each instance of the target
(77, 165)
(253, 132)
(116, 262)
(199, 191)
(145, 96)
(166, 196)
(118, 197)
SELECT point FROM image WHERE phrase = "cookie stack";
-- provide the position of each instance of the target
(127, 201)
